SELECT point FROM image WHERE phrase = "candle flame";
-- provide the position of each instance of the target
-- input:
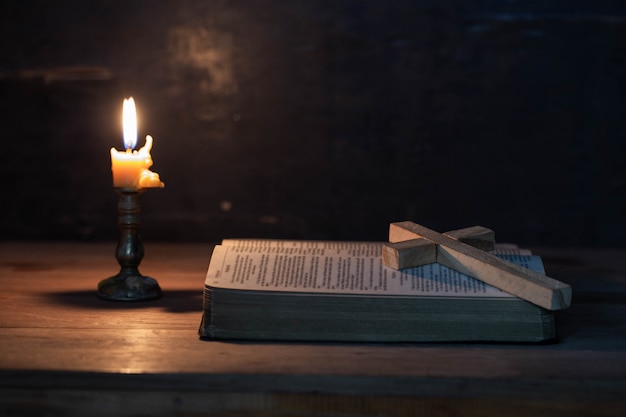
(129, 122)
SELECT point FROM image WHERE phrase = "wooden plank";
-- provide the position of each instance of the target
(175, 402)
(177, 359)
(531, 286)
(81, 309)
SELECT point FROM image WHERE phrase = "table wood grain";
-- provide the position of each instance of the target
(64, 352)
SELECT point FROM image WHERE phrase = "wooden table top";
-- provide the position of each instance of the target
(58, 340)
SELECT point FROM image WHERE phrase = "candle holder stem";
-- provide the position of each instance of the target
(129, 284)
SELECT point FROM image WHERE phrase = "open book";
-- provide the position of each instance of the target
(340, 291)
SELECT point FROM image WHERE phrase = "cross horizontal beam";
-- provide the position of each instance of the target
(420, 251)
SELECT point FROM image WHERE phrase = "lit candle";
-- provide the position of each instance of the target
(130, 168)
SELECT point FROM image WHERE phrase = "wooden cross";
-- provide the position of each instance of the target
(411, 244)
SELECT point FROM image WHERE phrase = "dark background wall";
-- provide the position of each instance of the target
(318, 119)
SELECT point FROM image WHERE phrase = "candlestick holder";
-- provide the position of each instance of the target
(129, 284)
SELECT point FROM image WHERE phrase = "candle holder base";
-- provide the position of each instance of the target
(131, 287)
(129, 284)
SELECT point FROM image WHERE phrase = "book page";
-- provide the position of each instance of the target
(314, 247)
(508, 249)
(338, 267)
(344, 247)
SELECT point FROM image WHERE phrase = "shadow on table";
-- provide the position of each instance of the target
(175, 301)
